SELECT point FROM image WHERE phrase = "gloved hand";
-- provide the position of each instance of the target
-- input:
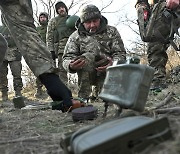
(53, 55)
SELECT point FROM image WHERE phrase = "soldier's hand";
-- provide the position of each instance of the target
(103, 68)
(77, 63)
(53, 55)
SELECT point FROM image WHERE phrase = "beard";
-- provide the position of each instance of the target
(62, 13)
(44, 23)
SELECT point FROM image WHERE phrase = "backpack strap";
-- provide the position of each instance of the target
(173, 15)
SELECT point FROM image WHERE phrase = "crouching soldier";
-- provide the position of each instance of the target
(91, 49)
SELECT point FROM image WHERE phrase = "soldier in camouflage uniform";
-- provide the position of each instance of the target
(42, 29)
(158, 36)
(13, 58)
(3, 48)
(57, 35)
(18, 15)
(92, 43)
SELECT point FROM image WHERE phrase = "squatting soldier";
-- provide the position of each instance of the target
(42, 29)
(91, 49)
(57, 35)
(13, 58)
(155, 24)
(18, 16)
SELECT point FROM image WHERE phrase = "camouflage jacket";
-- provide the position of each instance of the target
(57, 34)
(106, 41)
(161, 25)
(42, 32)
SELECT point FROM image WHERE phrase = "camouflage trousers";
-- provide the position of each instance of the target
(157, 58)
(62, 71)
(16, 68)
(19, 19)
(88, 79)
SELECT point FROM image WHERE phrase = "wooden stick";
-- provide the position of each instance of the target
(165, 101)
(168, 110)
(162, 103)
(23, 139)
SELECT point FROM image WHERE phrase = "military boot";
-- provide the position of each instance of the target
(4, 95)
(158, 85)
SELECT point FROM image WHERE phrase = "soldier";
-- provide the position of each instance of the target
(57, 35)
(18, 15)
(3, 48)
(155, 24)
(13, 58)
(42, 29)
(91, 49)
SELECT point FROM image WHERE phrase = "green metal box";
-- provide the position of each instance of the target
(122, 136)
(127, 85)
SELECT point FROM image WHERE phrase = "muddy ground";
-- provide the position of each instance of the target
(38, 131)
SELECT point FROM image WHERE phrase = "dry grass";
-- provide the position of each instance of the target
(39, 131)
(36, 131)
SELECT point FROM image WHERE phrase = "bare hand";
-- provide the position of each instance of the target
(77, 64)
(103, 68)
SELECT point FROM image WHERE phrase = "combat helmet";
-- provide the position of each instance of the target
(60, 3)
(89, 12)
(71, 21)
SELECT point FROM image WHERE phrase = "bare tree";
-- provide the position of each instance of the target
(75, 5)
(49, 7)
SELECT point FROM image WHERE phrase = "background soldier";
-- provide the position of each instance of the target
(13, 58)
(42, 29)
(91, 49)
(3, 48)
(57, 36)
(18, 15)
(155, 22)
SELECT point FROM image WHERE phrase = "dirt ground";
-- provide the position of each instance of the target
(35, 131)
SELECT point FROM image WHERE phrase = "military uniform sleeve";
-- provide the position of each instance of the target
(71, 51)
(118, 50)
(50, 34)
(3, 48)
